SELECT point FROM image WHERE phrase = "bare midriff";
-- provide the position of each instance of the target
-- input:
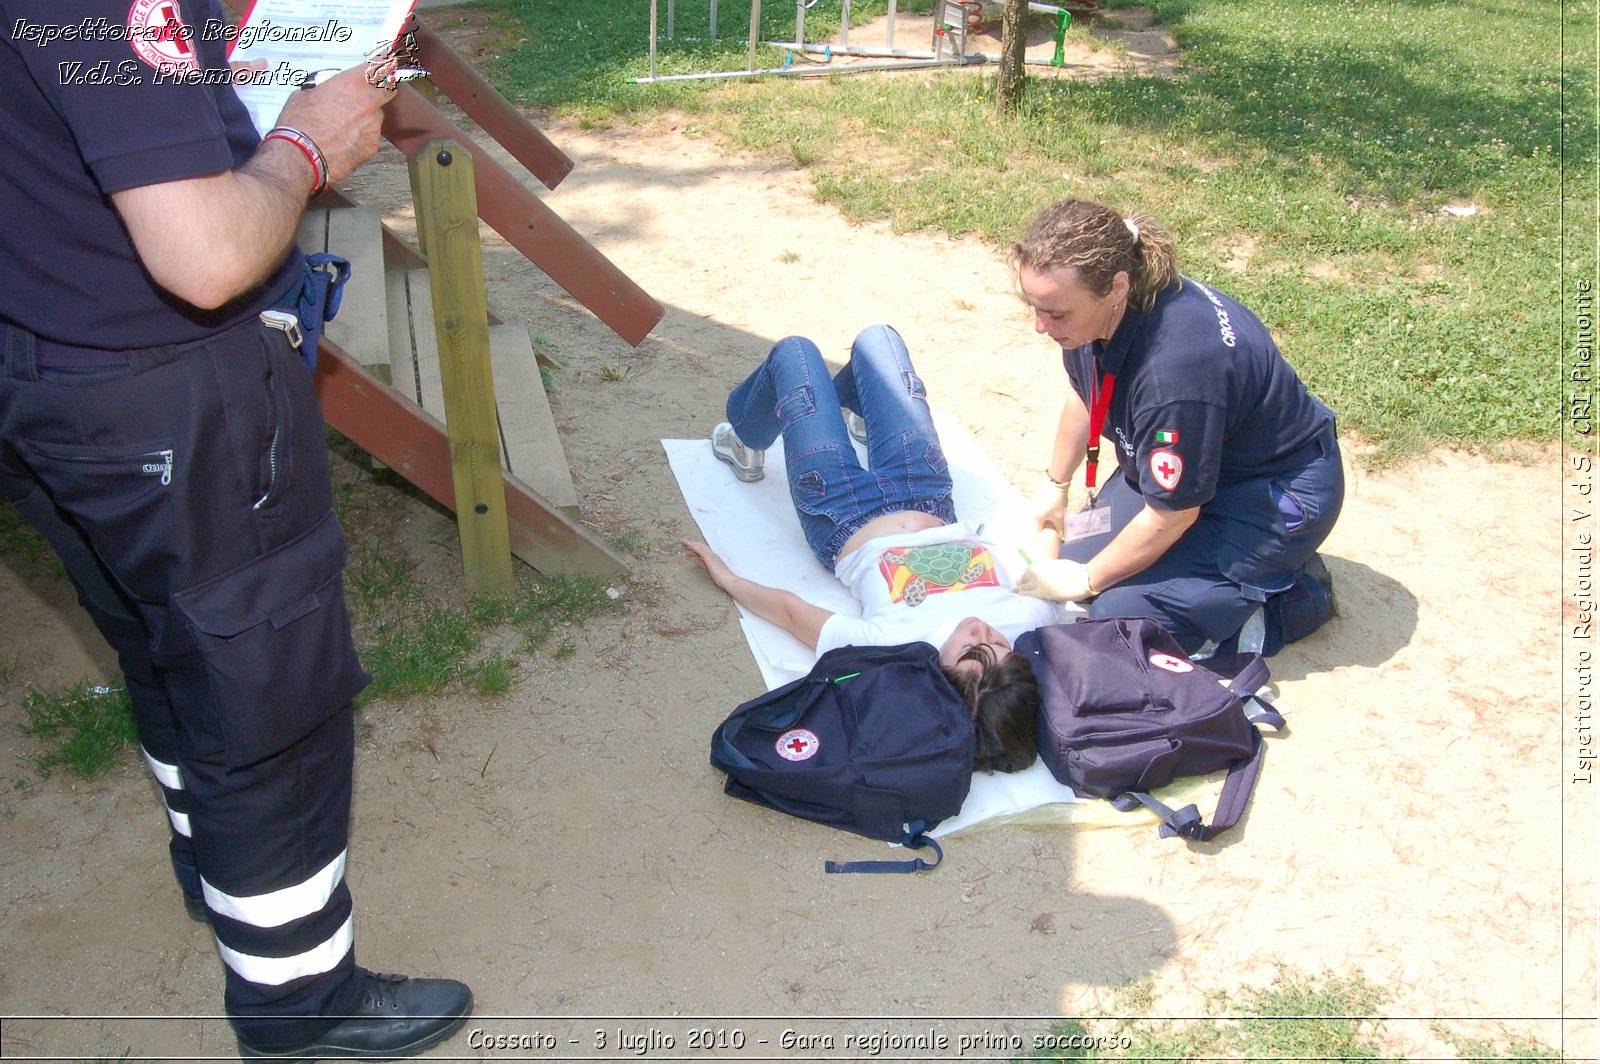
(889, 525)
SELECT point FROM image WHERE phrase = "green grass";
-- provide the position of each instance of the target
(19, 540)
(550, 359)
(1479, 1051)
(417, 653)
(84, 730)
(539, 607)
(414, 646)
(423, 650)
(582, 57)
(630, 541)
(1302, 156)
(17, 537)
(1297, 1017)
(418, 636)
(491, 675)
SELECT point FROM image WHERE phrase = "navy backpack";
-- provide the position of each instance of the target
(874, 740)
(1123, 711)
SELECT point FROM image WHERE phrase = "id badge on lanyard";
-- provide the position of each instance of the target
(1091, 520)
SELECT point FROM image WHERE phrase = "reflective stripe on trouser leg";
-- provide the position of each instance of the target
(279, 907)
(271, 842)
(175, 797)
(172, 792)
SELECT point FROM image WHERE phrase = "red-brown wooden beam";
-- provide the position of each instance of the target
(411, 123)
(496, 115)
(398, 433)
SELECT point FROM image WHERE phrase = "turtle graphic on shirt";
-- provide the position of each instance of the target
(914, 573)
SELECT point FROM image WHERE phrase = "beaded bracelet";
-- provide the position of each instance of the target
(313, 154)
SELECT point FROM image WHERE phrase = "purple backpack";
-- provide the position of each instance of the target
(1124, 711)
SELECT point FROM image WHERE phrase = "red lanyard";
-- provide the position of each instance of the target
(1097, 422)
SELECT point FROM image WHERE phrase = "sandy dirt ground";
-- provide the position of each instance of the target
(567, 849)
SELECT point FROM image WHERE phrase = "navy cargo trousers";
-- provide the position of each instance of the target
(186, 490)
(1243, 553)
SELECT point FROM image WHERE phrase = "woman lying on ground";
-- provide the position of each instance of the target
(889, 533)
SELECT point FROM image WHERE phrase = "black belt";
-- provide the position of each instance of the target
(50, 354)
(47, 354)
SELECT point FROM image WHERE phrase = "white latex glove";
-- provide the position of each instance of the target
(1058, 579)
(1048, 506)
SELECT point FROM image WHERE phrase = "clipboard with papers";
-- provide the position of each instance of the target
(296, 39)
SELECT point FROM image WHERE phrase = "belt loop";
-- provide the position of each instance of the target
(20, 362)
(146, 359)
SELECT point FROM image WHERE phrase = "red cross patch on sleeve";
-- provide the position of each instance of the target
(158, 35)
(1166, 467)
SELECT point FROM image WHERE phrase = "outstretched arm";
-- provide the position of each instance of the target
(783, 608)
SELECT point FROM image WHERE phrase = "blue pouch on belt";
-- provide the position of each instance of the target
(315, 299)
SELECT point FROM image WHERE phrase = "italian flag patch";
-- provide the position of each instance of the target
(1167, 436)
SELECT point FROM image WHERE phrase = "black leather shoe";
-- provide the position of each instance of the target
(1317, 569)
(397, 1017)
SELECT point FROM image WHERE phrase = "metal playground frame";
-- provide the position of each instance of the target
(947, 48)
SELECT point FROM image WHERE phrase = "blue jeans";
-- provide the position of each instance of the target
(792, 394)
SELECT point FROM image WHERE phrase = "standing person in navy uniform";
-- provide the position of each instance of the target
(1227, 476)
(166, 440)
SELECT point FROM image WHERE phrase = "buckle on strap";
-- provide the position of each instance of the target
(286, 323)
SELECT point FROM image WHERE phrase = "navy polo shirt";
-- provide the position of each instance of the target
(1202, 397)
(96, 97)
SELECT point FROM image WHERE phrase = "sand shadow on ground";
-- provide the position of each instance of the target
(1376, 618)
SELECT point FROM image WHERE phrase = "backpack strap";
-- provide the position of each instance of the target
(1186, 822)
(1248, 680)
(1258, 712)
(914, 839)
(1245, 683)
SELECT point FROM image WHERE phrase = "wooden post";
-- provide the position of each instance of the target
(447, 220)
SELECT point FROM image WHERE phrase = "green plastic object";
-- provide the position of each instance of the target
(1065, 20)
